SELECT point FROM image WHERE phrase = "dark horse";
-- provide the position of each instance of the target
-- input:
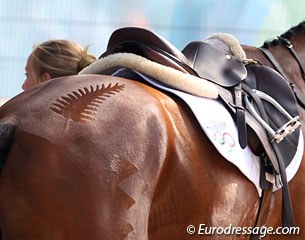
(102, 157)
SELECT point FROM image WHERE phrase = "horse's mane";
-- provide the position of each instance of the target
(288, 34)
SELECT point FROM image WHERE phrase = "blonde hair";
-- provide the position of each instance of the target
(59, 58)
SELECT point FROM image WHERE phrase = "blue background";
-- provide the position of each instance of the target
(91, 22)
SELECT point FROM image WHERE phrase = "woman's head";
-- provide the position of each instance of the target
(55, 58)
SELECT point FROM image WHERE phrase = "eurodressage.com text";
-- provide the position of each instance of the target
(262, 232)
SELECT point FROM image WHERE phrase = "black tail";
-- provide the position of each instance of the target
(6, 135)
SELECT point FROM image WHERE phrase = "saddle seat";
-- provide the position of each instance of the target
(148, 44)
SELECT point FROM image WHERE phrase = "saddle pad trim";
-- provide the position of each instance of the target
(164, 74)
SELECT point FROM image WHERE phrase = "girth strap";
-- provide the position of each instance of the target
(263, 211)
(287, 217)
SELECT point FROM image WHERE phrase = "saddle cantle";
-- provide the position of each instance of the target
(147, 44)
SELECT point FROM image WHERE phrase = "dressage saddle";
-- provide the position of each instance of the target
(254, 90)
(259, 98)
(154, 47)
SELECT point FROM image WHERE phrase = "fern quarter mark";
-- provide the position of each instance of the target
(82, 105)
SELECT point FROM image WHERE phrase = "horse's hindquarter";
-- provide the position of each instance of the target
(96, 157)
(68, 177)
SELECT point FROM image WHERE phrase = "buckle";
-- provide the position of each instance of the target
(286, 42)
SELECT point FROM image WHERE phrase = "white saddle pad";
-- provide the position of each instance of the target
(2, 101)
(220, 128)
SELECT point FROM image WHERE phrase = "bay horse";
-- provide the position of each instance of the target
(104, 157)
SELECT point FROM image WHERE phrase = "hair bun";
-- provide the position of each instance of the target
(85, 60)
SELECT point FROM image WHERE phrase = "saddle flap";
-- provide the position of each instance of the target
(215, 65)
(147, 44)
(273, 84)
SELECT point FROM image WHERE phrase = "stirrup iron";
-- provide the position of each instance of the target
(279, 134)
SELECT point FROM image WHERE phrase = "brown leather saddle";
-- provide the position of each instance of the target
(154, 47)
(257, 92)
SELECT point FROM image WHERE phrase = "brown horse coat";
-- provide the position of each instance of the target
(100, 157)
(119, 159)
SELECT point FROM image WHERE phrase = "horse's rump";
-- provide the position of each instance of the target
(100, 157)
(77, 142)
